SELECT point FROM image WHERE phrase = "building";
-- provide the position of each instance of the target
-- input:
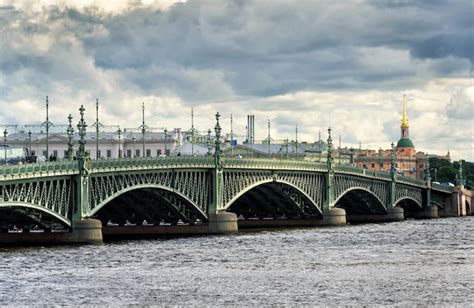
(111, 144)
(409, 162)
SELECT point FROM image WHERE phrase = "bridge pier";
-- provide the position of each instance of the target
(87, 231)
(222, 223)
(334, 216)
(394, 214)
(428, 212)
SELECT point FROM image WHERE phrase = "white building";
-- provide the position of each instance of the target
(111, 144)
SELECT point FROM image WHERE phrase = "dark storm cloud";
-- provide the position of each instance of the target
(449, 44)
(253, 48)
(267, 48)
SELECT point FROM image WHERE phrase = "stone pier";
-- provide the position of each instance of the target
(222, 223)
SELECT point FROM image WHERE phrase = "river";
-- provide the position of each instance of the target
(414, 262)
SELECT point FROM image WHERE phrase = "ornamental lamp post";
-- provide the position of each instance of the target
(97, 125)
(70, 135)
(217, 143)
(144, 128)
(209, 143)
(393, 160)
(47, 124)
(192, 131)
(119, 132)
(5, 134)
(166, 140)
(329, 158)
(269, 138)
(296, 141)
(81, 127)
(29, 142)
(134, 149)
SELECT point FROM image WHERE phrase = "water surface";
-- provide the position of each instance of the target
(411, 262)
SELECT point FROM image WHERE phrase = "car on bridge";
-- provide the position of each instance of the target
(15, 155)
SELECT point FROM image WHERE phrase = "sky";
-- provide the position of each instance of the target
(315, 64)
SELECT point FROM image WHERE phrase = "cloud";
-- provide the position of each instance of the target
(315, 64)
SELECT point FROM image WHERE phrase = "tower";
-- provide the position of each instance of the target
(250, 129)
(404, 123)
(405, 141)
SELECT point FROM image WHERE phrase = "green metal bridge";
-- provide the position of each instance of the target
(190, 189)
(170, 189)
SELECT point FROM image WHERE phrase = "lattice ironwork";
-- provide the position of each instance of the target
(344, 183)
(403, 191)
(54, 194)
(238, 181)
(193, 184)
(439, 199)
(52, 186)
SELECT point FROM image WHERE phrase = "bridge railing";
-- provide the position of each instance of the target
(441, 187)
(410, 181)
(265, 163)
(43, 169)
(153, 162)
(348, 169)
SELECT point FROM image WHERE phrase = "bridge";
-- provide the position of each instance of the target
(82, 195)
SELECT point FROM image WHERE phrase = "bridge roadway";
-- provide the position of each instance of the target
(81, 196)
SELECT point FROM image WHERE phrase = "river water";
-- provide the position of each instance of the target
(411, 262)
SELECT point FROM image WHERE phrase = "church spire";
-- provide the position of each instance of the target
(405, 141)
(404, 123)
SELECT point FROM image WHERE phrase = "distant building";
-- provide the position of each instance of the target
(408, 161)
(111, 144)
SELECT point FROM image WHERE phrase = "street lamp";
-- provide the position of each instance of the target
(296, 140)
(166, 140)
(209, 143)
(119, 132)
(5, 133)
(29, 142)
(134, 150)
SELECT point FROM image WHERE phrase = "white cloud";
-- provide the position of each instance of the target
(345, 65)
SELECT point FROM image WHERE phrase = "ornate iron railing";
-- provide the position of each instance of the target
(411, 181)
(441, 187)
(9, 172)
(348, 169)
(280, 164)
(154, 162)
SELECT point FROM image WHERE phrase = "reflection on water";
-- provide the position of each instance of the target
(412, 262)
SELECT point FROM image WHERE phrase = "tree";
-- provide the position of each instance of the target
(447, 171)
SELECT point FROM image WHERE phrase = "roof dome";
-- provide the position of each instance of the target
(405, 143)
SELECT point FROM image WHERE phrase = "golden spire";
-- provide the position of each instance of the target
(404, 123)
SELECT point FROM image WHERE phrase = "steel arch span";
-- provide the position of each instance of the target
(64, 220)
(274, 199)
(192, 185)
(309, 184)
(144, 187)
(361, 200)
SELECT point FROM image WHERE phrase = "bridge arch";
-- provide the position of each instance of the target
(438, 204)
(259, 183)
(42, 209)
(360, 188)
(121, 192)
(273, 198)
(346, 199)
(407, 198)
(411, 206)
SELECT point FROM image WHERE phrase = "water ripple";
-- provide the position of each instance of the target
(413, 262)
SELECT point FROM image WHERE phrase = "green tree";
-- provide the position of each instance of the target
(444, 171)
